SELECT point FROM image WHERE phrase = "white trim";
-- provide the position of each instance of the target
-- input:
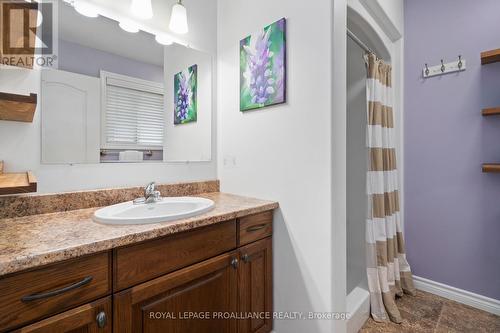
(385, 22)
(358, 307)
(338, 158)
(458, 295)
(399, 104)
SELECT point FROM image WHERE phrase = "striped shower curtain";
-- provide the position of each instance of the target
(387, 268)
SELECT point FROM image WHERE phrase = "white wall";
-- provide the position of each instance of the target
(20, 142)
(283, 152)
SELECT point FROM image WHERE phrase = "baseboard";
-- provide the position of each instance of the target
(358, 306)
(458, 295)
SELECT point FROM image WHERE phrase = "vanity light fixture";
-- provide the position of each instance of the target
(142, 9)
(85, 8)
(178, 18)
(163, 40)
(128, 26)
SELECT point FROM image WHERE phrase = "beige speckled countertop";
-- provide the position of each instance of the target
(36, 240)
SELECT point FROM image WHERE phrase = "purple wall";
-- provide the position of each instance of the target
(88, 61)
(452, 209)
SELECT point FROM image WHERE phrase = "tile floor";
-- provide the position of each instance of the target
(433, 314)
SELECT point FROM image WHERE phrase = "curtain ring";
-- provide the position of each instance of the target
(460, 64)
(427, 71)
(443, 68)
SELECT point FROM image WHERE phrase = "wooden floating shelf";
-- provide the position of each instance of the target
(17, 107)
(489, 57)
(491, 167)
(491, 112)
(15, 183)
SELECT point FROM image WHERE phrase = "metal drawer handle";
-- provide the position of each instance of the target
(256, 227)
(34, 297)
(245, 258)
(235, 263)
(101, 319)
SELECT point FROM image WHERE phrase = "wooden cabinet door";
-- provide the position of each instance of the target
(94, 317)
(255, 292)
(164, 304)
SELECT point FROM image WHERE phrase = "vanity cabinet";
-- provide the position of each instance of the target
(203, 280)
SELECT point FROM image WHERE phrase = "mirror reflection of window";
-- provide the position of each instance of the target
(133, 118)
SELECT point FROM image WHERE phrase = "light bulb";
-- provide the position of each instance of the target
(178, 19)
(164, 40)
(85, 8)
(142, 9)
(128, 26)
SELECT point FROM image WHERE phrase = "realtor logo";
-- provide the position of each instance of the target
(28, 33)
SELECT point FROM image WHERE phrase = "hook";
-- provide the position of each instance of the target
(460, 64)
(427, 71)
(442, 66)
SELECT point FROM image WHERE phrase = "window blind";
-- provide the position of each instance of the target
(134, 115)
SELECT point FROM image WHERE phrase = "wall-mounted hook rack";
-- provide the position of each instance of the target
(444, 68)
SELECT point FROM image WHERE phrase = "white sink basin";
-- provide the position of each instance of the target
(168, 209)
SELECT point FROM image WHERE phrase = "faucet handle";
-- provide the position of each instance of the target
(157, 196)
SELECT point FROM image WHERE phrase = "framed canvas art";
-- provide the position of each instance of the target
(185, 99)
(263, 67)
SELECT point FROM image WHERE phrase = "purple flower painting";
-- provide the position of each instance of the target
(263, 67)
(185, 88)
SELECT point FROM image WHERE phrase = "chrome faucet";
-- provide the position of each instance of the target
(150, 195)
(149, 190)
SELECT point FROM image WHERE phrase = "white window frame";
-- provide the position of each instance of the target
(133, 83)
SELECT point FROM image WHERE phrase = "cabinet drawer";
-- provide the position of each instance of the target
(93, 317)
(145, 261)
(255, 227)
(29, 296)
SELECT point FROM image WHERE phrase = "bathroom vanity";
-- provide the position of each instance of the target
(62, 272)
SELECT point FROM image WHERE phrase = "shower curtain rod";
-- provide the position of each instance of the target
(358, 41)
